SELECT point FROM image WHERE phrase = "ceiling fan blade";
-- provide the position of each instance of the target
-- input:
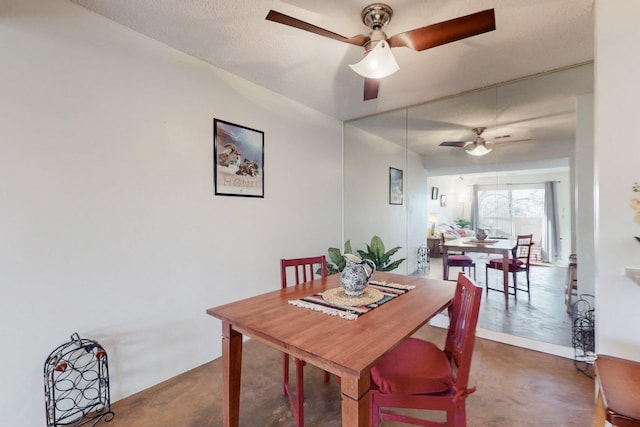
(281, 18)
(371, 88)
(446, 31)
(507, 141)
(453, 143)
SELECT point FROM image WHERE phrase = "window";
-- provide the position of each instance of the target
(518, 209)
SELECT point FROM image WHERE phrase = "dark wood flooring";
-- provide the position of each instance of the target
(516, 387)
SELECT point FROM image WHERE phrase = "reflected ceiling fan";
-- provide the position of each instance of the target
(479, 146)
(378, 61)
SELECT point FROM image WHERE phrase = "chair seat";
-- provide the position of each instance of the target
(459, 258)
(460, 261)
(414, 367)
(513, 264)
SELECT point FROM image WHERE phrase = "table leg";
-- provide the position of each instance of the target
(445, 270)
(505, 278)
(231, 368)
(355, 399)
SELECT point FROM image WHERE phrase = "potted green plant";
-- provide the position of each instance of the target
(463, 223)
(376, 253)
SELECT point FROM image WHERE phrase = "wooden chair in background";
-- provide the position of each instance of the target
(520, 261)
(302, 270)
(458, 260)
(418, 375)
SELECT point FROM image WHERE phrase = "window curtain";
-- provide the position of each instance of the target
(474, 208)
(551, 238)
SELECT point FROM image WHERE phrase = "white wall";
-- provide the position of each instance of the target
(367, 210)
(451, 187)
(584, 190)
(417, 200)
(617, 157)
(108, 221)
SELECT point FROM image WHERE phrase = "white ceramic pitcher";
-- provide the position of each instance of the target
(354, 277)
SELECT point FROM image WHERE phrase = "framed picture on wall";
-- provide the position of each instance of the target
(238, 160)
(443, 200)
(395, 186)
(434, 193)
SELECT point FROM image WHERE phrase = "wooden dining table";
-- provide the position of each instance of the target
(503, 247)
(346, 348)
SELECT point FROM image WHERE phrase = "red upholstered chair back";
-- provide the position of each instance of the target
(462, 329)
(305, 269)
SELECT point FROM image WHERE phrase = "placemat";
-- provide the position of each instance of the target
(338, 296)
(317, 302)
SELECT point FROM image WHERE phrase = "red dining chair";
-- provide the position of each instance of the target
(302, 269)
(519, 261)
(458, 260)
(418, 375)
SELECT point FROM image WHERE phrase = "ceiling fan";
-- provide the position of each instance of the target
(376, 44)
(479, 146)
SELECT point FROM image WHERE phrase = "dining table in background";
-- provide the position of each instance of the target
(503, 247)
(346, 348)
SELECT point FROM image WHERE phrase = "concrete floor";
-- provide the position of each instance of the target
(516, 387)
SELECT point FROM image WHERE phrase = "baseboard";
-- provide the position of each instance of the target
(544, 347)
(442, 321)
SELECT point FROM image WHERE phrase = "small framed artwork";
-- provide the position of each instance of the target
(395, 186)
(443, 200)
(238, 160)
(434, 193)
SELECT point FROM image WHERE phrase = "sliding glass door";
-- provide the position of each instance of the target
(505, 212)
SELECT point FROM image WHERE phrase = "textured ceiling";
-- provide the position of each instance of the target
(537, 113)
(487, 72)
(531, 36)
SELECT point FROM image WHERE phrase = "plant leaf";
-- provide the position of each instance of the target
(347, 247)
(390, 253)
(393, 265)
(331, 269)
(335, 255)
(377, 247)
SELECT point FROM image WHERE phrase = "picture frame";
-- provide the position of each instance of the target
(395, 186)
(238, 160)
(443, 201)
(434, 193)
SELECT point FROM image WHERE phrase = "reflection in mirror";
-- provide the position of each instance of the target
(531, 130)
(369, 151)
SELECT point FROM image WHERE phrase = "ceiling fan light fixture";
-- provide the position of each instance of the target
(378, 63)
(478, 149)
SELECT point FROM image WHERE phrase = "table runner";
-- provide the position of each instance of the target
(317, 303)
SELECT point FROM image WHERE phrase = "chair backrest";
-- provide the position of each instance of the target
(461, 335)
(522, 251)
(304, 269)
